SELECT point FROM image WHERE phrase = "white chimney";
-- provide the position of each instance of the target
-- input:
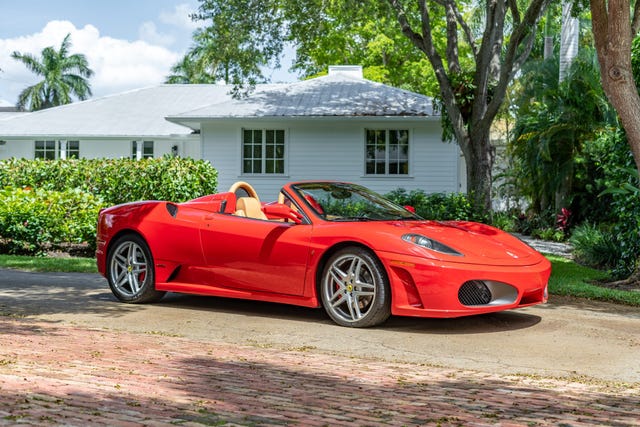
(346, 70)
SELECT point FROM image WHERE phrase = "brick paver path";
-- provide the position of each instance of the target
(55, 374)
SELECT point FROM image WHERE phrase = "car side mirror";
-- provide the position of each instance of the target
(410, 209)
(281, 211)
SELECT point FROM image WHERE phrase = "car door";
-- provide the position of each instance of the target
(256, 255)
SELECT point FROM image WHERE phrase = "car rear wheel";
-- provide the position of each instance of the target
(355, 289)
(131, 274)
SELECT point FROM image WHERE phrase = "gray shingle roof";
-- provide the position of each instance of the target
(327, 96)
(168, 110)
(137, 113)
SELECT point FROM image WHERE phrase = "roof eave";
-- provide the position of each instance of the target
(194, 122)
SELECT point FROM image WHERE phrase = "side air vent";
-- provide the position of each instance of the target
(474, 292)
(172, 209)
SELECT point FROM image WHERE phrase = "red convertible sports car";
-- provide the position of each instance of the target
(330, 244)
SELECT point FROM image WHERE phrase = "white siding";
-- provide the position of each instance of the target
(18, 149)
(335, 151)
(108, 148)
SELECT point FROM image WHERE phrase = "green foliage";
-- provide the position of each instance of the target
(614, 190)
(532, 224)
(31, 219)
(240, 39)
(505, 220)
(47, 203)
(437, 206)
(115, 180)
(554, 123)
(595, 247)
(63, 75)
(464, 90)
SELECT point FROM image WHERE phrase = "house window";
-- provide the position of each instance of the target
(146, 149)
(387, 152)
(263, 151)
(73, 150)
(45, 150)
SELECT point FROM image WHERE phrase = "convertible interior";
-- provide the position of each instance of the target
(242, 200)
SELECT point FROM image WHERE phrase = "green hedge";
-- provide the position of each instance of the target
(115, 180)
(32, 220)
(47, 203)
(436, 206)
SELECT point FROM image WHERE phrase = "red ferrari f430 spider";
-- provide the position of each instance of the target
(326, 244)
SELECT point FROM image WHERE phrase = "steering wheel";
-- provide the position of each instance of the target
(245, 186)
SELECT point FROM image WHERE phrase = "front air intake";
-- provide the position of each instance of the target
(474, 292)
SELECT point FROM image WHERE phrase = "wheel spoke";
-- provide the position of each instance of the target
(122, 278)
(352, 304)
(120, 260)
(338, 275)
(133, 281)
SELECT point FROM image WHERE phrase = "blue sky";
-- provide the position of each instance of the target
(129, 44)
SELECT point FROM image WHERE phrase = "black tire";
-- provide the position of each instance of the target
(355, 289)
(130, 270)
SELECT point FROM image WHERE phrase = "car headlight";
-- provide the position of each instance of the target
(434, 245)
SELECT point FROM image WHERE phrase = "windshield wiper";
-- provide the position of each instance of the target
(352, 218)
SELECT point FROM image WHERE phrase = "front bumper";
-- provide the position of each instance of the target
(431, 288)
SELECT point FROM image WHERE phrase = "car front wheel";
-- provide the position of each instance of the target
(131, 274)
(355, 289)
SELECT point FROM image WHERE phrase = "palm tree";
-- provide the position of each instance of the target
(63, 75)
(189, 71)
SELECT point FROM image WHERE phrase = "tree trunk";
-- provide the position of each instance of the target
(613, 35)
(479, 170)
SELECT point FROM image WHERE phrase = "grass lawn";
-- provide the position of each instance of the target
(41, 264)
(567, 278)
(571, 279)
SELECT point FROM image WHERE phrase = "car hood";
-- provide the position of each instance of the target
(479, 243)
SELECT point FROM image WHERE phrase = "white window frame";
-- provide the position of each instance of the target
(46, 148)
(142, 150)
(62, 149)
(263, 159)
(387, 152)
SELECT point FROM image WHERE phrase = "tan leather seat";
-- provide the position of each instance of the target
(249, 207)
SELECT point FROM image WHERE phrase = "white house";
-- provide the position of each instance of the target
(338, 126)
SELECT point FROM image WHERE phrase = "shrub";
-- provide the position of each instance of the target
(595, 247)
(47, 203)
(616, 198)
(115, 180)
(34, 219)
(437, 206)
(505, 220)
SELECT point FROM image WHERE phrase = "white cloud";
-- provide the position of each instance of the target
(118, 64)
(179, 17)
(149, 33)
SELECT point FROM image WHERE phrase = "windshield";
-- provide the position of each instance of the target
(350, 202)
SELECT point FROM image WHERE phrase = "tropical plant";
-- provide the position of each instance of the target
(553, 122)
(615, 204)
(189, 71)
(64, 76)
(595, 247)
